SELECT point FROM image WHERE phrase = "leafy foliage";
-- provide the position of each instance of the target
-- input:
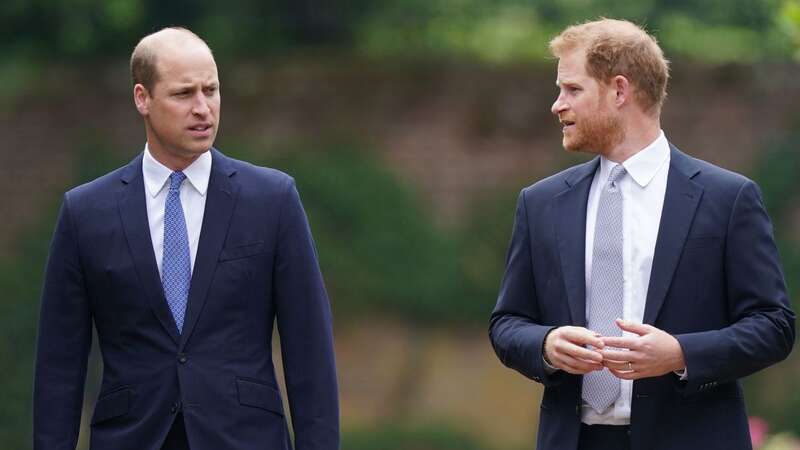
(716, 31)
(379, 249)
(398, 437)
(497, 31)
(773, 395)
(21, 275)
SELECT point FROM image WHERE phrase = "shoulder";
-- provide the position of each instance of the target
(709, 174)
(253, 178)
(100, 189)
(716, 181)
(555, 184)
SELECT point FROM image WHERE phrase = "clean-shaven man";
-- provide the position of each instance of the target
(183, 260)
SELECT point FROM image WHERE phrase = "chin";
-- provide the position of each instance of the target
(580, 148)
(199, 148)
(571, 145)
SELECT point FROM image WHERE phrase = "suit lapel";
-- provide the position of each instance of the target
(133, 212)
(222, 194)
(680, 204)
(570, 206)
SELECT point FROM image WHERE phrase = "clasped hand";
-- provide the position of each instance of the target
(650, 353)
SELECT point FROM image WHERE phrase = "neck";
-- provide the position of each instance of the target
(172, 161)
(638, 135)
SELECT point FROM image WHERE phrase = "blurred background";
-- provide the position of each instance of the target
(410, 127)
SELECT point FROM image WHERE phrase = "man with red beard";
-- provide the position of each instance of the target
(642, 285)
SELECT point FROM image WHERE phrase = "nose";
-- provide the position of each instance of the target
(559, 105)
(200, 105)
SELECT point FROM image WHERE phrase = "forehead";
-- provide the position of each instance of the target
(186, 63)
(572, 67)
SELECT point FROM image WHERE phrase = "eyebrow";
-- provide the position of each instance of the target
(181, 86)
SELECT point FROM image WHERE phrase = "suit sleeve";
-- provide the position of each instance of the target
(64, 339)
(515, 329)
(762, 328)
(305, 327)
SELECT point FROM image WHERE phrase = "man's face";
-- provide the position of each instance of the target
(585, 108)
(182, 110)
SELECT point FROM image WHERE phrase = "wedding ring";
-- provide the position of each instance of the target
(630, 367)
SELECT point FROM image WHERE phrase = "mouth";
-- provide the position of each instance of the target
(201, 130)
(566, 125)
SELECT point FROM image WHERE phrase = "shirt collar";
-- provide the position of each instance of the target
(644, 165)
(157, 174)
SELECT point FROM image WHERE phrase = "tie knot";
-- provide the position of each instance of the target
(616, 174)
(175, 180)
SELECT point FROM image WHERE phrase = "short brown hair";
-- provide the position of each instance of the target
(618, 47)
(143, 58)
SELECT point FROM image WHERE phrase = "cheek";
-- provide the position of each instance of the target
(588, 115)
(168, 122)
(173, 116)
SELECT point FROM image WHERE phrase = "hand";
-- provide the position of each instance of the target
(565, 349)
(651, 353)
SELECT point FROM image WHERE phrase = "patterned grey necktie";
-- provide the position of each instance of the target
(604, 302)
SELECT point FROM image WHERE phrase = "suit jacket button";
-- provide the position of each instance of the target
(175, 407)
(182, 358)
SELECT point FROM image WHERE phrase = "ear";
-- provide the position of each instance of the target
(622, 90)
(141, 98)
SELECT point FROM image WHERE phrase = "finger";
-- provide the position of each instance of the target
(633, 327)
(617, 365)
(629, 342)
(575, 351)
(582, 336)
(626, 375)
(620, 355)
(577, 363)
(579, 367)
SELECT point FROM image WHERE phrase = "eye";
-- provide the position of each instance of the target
(181, 93)
(211, 90)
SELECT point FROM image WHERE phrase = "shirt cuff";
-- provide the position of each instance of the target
(683, 374)
(547, 367)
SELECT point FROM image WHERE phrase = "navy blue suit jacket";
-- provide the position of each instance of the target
(255, 263)
(716, 285)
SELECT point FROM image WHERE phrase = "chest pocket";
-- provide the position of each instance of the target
(702, 242)
(241, 251)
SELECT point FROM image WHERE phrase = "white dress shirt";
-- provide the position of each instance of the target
(193, 199)
(643, 189)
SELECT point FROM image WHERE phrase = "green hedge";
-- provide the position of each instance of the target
(407, 437)
(774, 395)
(379, 248)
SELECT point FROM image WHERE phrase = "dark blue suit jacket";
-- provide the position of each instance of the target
(255, 263)
(716, 285)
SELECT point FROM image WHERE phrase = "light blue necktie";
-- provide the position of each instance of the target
(601, 388)
(176, 269)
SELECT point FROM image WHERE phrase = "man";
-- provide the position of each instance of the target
(184, 259)
(641, 285)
